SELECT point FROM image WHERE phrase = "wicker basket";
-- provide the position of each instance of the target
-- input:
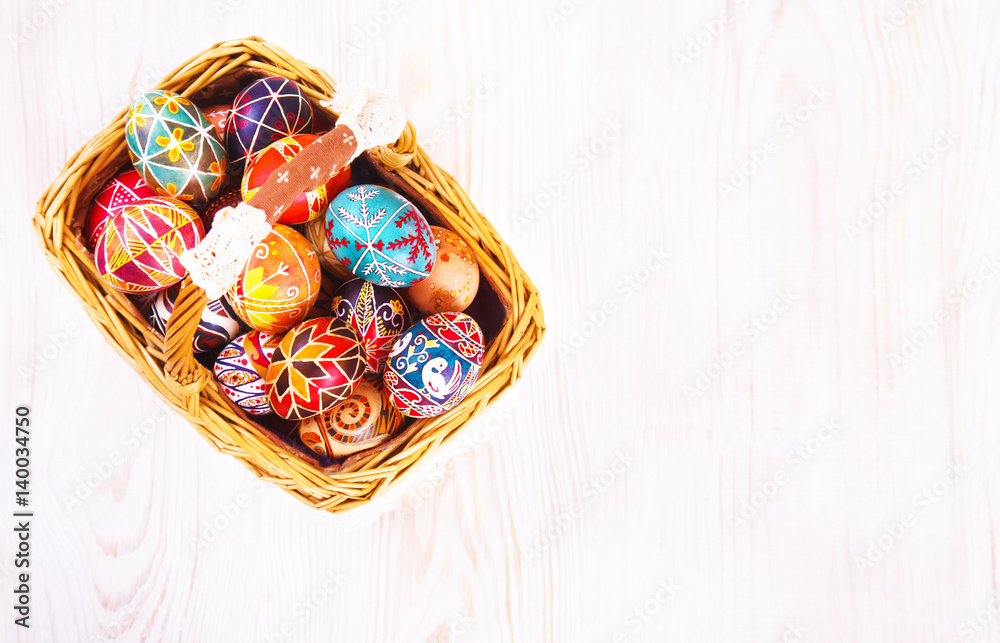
(508, 308)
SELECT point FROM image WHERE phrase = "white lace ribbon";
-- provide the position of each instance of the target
(217, 261)
(375, 117)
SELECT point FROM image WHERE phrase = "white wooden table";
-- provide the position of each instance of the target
(767, 240)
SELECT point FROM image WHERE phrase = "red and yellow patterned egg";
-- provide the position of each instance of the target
(140, 249)
(306, 206)
(366, 419)
(279, 284)
(315, 367)
(124, 189)
(454, 280)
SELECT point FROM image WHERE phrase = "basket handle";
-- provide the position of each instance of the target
(368, 118)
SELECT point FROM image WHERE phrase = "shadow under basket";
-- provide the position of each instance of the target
(507, 306)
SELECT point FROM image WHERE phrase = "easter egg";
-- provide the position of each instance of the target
(175, 148)
(380, 236)
(217, 115)
(366, 419)
(140, 249)
(241, 367)
(228, 199)
(128, 187)
(268, 109)
(454, 281)
(306, 206)
(433, 366)
(314, 368)
(279, 284)
(376, 312)
(218, 325)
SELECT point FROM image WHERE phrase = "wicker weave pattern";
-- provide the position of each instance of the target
(167, 363)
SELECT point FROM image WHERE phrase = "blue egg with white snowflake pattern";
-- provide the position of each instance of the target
(380, 236)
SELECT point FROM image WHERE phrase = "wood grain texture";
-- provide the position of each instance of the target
(663, 472)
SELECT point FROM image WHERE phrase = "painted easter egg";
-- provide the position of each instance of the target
(140, 249)
(241, 367)
(175, 148)
(376, 312)
(218, 325)
(124, 189)
(306, 206)
(454, 281)
(315, 368)
(279, 284)
(366, 419)
(433, 366)
(228, 199)
(380, 236)
(268, 109)
(217, 115)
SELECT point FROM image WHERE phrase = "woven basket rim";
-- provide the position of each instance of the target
(204, 406)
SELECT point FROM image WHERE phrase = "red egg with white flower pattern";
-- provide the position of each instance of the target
(306, 206)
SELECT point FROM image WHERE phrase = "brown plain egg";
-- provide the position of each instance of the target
(454, 281)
